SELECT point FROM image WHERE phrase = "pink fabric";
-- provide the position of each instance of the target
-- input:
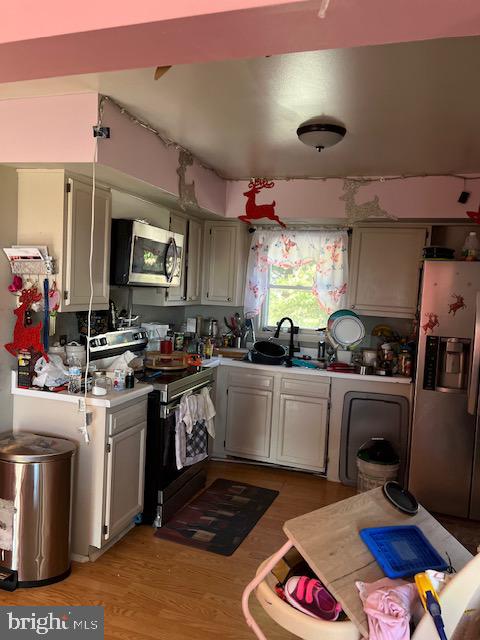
(388, 605)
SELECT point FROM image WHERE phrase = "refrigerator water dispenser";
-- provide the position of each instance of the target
(446, 364)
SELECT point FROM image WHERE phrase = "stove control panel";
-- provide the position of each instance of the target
(133, 339)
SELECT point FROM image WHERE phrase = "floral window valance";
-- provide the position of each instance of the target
(290, 250)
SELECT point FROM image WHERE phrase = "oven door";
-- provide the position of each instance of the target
(156, 256)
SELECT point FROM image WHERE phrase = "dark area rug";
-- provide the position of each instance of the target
(220, 518)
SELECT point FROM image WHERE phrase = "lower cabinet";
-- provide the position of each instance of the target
(125, 466)
(302, 432)
(281, 418)
(249, 417)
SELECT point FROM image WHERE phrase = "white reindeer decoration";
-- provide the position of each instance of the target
(358, 212)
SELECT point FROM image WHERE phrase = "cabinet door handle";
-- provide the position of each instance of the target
(229, 299)
(353, 306)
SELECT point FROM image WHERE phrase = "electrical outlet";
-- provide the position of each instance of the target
(82, 405)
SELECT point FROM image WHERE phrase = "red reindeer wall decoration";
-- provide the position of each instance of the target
(254, 211)
(431, 323)
(474, 215)
(26, 337)
(457, 305)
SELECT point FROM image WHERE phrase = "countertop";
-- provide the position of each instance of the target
(302, 371)
(113, 399)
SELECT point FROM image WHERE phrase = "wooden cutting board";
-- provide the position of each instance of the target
(230, 352)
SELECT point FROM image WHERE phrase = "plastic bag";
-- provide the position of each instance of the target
(127, 359)
(50, 374)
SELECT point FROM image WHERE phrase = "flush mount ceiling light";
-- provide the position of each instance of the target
(320, 135)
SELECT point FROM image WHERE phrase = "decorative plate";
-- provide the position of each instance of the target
(346, 328)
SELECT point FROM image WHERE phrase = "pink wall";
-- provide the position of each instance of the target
(317, 199)
(25, 19)
(38, 40)
(138, 153)
(58, 129)
(48, 129)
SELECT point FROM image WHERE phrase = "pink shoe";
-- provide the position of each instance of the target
(309, 596)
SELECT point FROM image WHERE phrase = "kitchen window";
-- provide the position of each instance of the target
(301, 274)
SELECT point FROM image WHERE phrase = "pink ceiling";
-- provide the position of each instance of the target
(43, 39)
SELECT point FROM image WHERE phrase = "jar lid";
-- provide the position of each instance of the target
(32, 447)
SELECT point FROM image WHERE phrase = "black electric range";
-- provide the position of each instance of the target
(171, 385)
(167, 488)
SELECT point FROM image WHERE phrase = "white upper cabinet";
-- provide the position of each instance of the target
(55, 209)
(78, 229)
(194, 262)
(225, 249)
(385, 269)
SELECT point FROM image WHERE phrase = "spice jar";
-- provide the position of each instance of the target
(405, 363)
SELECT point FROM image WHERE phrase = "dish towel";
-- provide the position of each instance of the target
(207, 410)
(193, 424)
(388, 605)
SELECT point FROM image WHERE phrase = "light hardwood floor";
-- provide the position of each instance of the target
(153, 588)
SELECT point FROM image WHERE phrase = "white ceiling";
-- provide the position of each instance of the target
(408, 108)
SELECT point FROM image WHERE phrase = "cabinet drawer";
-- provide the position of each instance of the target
(127, 417)
(305, 387)
(240, 378)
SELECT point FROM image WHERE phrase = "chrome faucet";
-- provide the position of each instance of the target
(288, 361)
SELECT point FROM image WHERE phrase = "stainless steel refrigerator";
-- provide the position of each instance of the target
(445, 443)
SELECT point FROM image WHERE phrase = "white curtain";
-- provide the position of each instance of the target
(289, 249)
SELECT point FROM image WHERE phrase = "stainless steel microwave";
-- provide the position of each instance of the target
(144, 255)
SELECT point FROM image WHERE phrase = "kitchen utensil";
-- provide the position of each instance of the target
(175, 361)
(53, 305)
(369, 357)
(46, 314)
(267, 352)
(341, 313)
(345, 328)
(344, 355)
(208, 326)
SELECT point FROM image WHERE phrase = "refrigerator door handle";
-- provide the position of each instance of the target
(473, 385)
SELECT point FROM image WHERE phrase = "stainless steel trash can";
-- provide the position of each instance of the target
(35, 493)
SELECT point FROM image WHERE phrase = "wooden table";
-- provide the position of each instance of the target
(329, 540)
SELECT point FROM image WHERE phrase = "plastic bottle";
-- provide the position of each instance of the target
(74, 375)
(471, 247)
(129, 379)
(208, 349)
